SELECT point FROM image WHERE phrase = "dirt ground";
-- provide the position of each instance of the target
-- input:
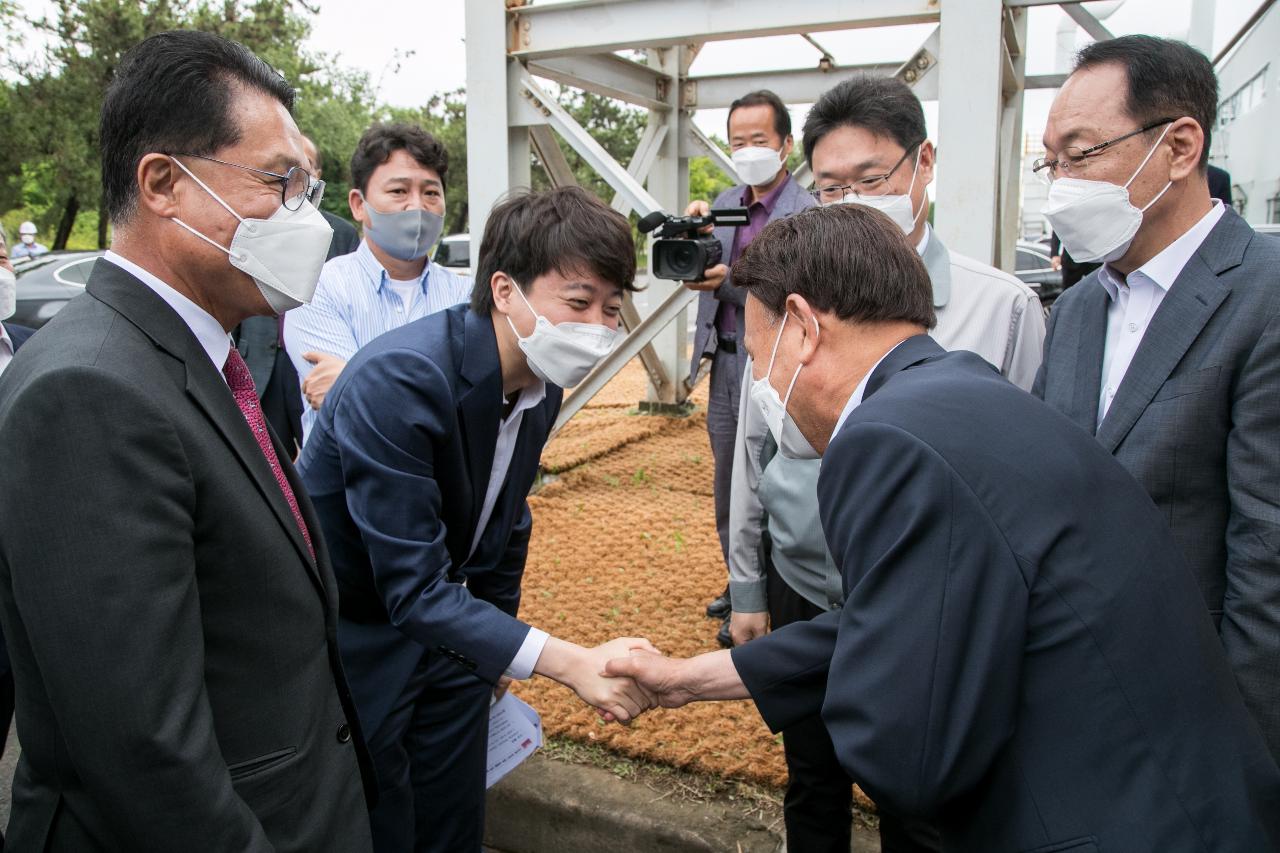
(624, 544)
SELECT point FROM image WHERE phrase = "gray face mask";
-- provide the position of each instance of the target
(406, 234)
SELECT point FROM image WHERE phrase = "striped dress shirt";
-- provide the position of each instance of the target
(353, 304)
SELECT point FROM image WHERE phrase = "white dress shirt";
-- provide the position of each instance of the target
(6, 348)
(855, 399)
(526, 658)
(1135, 299)
(208, 331)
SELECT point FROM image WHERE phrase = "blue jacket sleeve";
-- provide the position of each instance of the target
(390, 421)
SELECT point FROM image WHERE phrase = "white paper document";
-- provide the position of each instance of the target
(515, 732)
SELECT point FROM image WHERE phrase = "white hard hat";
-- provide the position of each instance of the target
(27, 228)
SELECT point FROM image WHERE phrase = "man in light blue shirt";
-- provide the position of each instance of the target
(398, 183)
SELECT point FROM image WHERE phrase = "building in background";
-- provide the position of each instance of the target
(1249, 120)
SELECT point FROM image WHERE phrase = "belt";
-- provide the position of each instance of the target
(728, 345)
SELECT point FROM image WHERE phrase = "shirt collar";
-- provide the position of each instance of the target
(376, 273)
(855, 399)
(770, 198)
(1163, 270)
(529, 397)
(4, 338)
(209, 332)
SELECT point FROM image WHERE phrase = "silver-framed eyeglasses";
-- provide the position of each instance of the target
(870, 185)
(296, 185)
(1073, 162)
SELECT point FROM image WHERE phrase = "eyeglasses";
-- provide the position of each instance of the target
(296, 185)
(870, 185)
(1074, 162)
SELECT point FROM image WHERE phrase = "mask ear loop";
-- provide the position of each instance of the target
(525, 299)
(776, 340)
(1143, 164)
(799, 367)
(216, 198)
(915, 215)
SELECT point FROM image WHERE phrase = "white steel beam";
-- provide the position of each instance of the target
(698, 144)
(487, 102)
(1087, 22)
(970, 62)
(582, 142)
(794, 86)
(551, 157)
(608, 75)
(644, 155)
(1045, 81)
(1009, 187)
(596, 26)
(804, 176)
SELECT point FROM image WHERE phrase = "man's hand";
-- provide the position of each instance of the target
(321, 378)
(501, 690)
(582, 670)
(1056, 262)
(674, 682)
(745, 627)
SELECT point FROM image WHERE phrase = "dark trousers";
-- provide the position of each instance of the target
(722, 428)
(818, 807)
(429, 755)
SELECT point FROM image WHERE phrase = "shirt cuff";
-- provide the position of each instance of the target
(748, 596)
(521, 666)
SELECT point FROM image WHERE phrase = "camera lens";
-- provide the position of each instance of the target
(684, 258)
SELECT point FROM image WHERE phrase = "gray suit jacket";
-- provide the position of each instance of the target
(793, 199)
(174, 644)
(1197, 422)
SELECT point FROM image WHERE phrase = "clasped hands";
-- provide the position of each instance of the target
(623, 678)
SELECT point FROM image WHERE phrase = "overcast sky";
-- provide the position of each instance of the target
(412, 49)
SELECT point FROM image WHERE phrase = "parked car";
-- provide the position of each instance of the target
(454, 252)
(1033, 266)
(49, 281)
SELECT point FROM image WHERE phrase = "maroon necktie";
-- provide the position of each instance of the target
(241, 384)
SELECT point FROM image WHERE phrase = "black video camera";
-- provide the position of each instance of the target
(681, 253)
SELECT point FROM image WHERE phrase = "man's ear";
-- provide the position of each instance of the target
(1186, 139)
(928, 159)
(355, 200)
(157, 181)
(802, 316)
(501, 286)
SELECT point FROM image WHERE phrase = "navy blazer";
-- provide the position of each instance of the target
(1023, 656)
(397, 467)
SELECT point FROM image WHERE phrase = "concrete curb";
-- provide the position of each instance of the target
(547, 806)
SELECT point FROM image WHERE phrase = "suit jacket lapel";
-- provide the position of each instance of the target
(141, 306)
(1087, 345)
(1192, 299)
(479, 404)
(910, 352)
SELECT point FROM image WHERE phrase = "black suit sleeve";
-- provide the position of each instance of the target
(110, 609)
(501, 587)
(1037, 387)
(923, 689)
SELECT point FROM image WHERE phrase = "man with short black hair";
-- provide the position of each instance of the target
(865, 140)
(167, 598)
(1170, 353)
(760, 139)
(420, 464)
(398, 174)
(1022, 658)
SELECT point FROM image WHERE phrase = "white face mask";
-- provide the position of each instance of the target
(563, 353)
(791, 442)
(1095, 219)
(896, 207)
(8, 294)
(757, 166)
(283, 255)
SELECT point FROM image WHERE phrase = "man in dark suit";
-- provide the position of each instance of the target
(261, 339)
(1170, 353)
(1219, 184)
(168, 601)
(1022, 657)
(420, 463)
(760, 137)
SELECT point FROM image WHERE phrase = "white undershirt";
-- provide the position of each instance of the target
(526, 658)
(408, 291)
(1135, 299)
(209, 332)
